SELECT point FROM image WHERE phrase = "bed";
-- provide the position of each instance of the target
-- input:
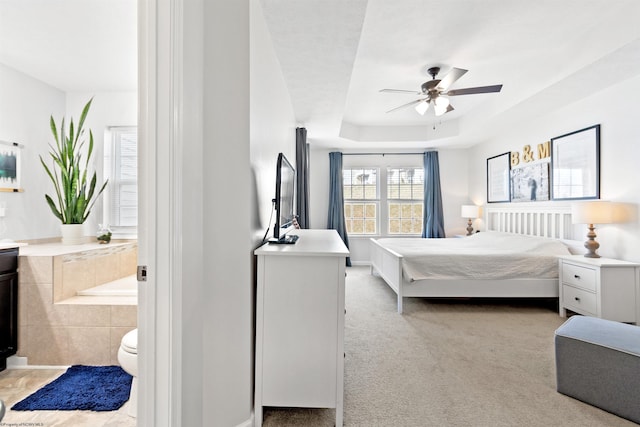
(466, 267)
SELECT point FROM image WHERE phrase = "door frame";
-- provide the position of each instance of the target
(159, 124)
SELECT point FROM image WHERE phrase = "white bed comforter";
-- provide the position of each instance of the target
(487, 255)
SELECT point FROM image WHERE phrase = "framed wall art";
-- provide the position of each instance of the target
(530, 183)
(575, 165)
(498, 179)
(10, 166)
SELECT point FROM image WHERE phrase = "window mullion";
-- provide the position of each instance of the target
(383, 223)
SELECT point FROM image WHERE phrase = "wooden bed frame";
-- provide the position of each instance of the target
(550, 222)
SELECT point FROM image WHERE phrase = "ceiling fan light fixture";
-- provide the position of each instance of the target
(440, 105)
(422, 107)
(434, 90)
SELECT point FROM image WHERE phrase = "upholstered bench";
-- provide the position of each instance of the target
(598, 362)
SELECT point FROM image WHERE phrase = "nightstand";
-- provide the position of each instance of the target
(600, 287)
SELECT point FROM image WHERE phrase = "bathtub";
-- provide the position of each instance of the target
(125, 287)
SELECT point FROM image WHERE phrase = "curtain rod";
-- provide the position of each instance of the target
(382, 154)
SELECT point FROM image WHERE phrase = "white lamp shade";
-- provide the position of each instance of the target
(469, 211)
(422, 107)
(596, 212)
(440, 105)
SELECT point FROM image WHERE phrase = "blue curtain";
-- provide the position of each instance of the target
(433, 218)
(335, 220)
(302, 178)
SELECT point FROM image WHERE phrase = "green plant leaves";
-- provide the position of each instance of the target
(69, 175)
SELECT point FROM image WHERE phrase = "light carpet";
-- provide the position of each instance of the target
(447, 363)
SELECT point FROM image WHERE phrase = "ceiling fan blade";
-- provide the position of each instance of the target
(450, 78)
(413, 92)
(409, 104)
(474, 90)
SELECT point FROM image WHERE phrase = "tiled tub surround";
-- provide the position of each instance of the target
(56, 327)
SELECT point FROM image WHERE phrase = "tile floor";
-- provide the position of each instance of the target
(16, 384)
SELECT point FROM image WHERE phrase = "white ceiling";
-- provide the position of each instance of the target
(336, 55)
(73, 45)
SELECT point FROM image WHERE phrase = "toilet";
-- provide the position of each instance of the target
(128, 359)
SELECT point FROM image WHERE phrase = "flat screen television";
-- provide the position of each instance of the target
(284, 201)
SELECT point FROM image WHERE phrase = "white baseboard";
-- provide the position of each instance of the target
(247, 423)
(19, 362)
(16, 362)
(367, 263)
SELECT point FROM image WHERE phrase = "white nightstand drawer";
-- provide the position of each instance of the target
(579, 276)
(583, 301)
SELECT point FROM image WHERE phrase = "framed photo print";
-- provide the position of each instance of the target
(498, 178)
(530, 183)
(575, 165)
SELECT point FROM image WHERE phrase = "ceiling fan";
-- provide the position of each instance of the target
(436, 91)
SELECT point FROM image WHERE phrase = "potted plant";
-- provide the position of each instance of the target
(104, 234)
(75, 194)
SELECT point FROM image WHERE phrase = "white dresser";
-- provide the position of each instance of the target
(600, 287)
(300, 323)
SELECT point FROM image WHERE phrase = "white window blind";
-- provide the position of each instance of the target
(121, 163)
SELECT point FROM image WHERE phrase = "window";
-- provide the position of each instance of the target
(405, 194)
(361, 200)
(383, 201)
(121, 168)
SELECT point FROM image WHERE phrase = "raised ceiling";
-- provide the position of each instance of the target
(336, 55)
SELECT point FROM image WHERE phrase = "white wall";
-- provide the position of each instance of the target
(273, 125)
(25, 107)
(247, 121)
(453, 179)
(227, 309)
(272, 131)
(616, 110)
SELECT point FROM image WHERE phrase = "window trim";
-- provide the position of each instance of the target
(382, 218)
(376, 200)
(110, 171)
(388, 200)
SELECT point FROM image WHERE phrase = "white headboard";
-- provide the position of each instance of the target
(546, 221)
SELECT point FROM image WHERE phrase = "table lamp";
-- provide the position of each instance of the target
(596, 212)
(470, 212)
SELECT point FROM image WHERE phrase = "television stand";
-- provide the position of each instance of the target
(299, 348)
(289, 239)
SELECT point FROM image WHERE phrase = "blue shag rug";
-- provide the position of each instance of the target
(92, 388)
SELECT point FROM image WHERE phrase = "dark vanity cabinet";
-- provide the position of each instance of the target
(8, 304)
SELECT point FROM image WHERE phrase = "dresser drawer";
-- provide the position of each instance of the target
(576, 275)
(579, 299)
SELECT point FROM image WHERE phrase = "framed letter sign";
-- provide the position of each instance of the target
(498, 179)
(575, 165)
